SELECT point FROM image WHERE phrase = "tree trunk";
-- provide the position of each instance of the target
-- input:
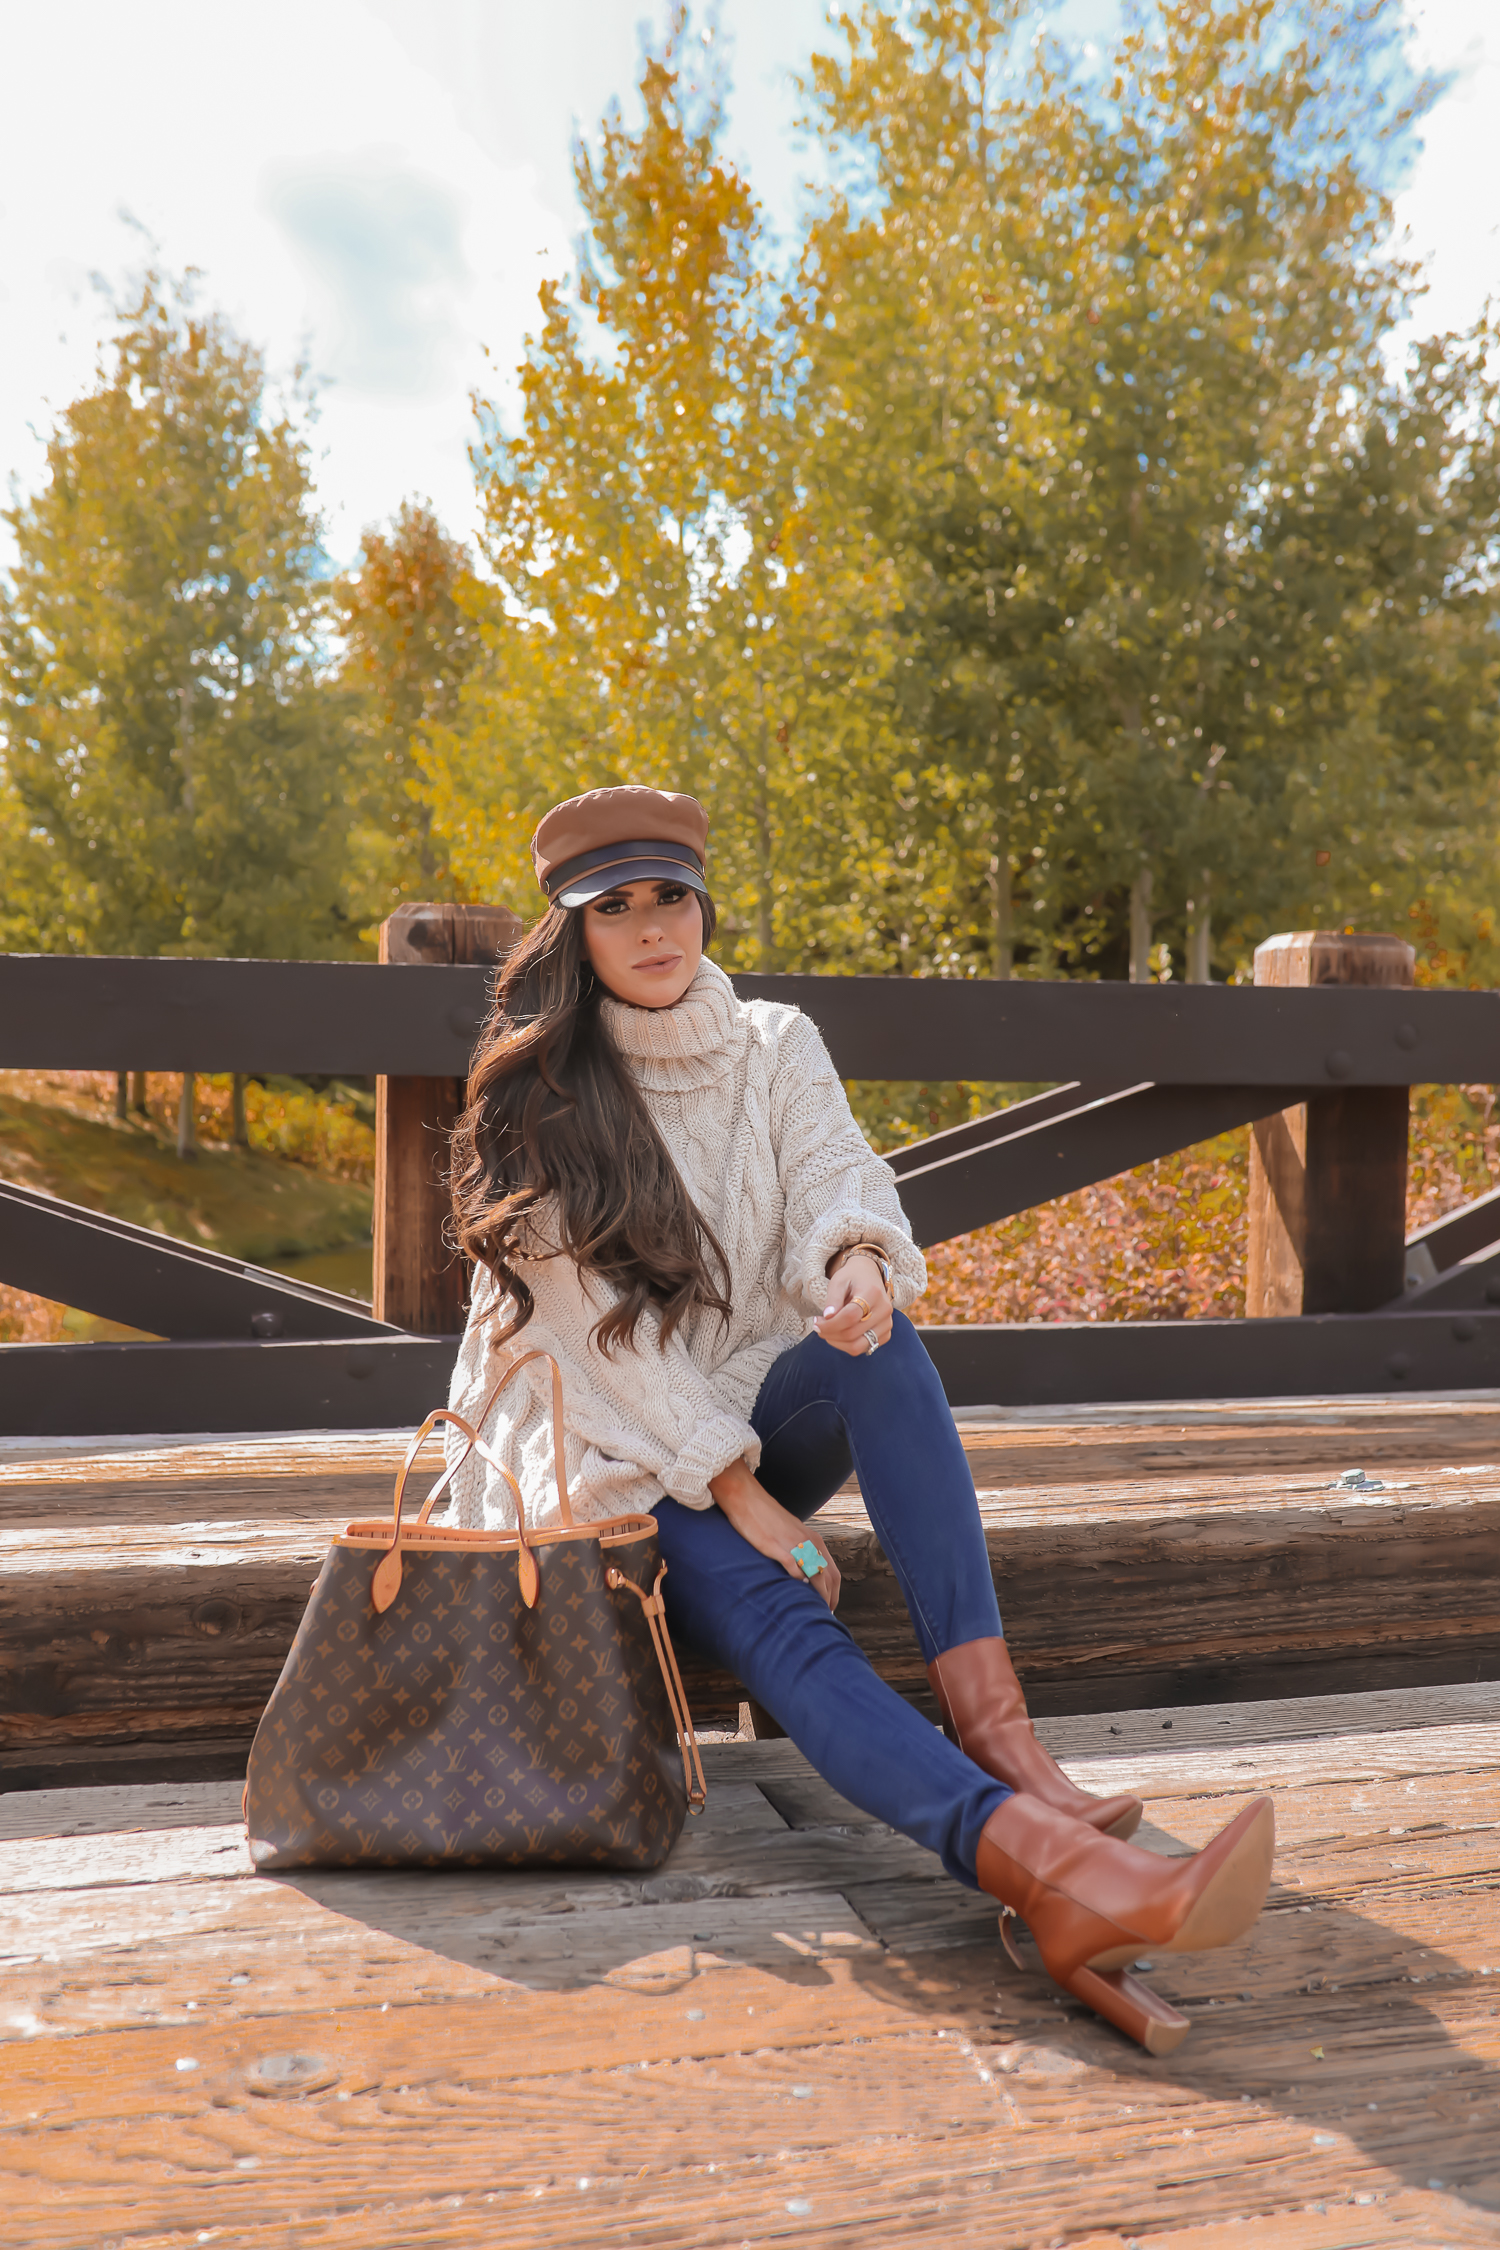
(187, 1121)
(1200, 936)
(122, 1095)
(765, 918)
(1004, 910)
(138, 1093)
(1140, 928)
(239, 1129)
(765, 921)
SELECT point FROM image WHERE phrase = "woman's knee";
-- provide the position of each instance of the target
(904, 1359)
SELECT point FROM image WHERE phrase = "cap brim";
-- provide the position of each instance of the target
(594, 885)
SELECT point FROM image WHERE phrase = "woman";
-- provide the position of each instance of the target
(663, 1186)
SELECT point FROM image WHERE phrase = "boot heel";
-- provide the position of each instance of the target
(1132, 2007)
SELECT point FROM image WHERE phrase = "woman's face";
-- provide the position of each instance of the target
(645, 941)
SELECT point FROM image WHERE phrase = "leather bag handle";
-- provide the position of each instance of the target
(386, 1583)
(564, 1505)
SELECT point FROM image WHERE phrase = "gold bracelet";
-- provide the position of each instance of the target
(869, 1250)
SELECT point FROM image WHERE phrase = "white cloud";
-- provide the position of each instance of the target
(1449, 214)
(384, 248)
(338, 207)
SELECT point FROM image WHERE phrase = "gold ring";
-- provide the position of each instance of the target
(864, 1308)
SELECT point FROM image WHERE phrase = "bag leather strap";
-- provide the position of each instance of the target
(666, 1656)
(559, 1469)
(386, 1583)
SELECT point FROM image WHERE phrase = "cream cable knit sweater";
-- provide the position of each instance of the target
(746, 1098)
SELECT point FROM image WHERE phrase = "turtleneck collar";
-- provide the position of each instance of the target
(695, 1042)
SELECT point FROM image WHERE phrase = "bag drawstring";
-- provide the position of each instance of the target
(666, 1656)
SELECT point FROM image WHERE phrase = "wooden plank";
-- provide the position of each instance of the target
(60, 1012)
(314, 1474)
(1047, 1447)
(1178, 1590)
(119, 1810)
(1334, 1724)
(420, 1283)
(1295, 1719)
(1027, 1160)
(318, 1477)
(1220, 1590)
(1375, 1757)
(693, 2097)
(156, 1284)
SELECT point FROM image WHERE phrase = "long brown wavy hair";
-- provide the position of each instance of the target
(553, 1112)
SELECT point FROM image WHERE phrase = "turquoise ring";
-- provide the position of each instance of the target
(807, 1558)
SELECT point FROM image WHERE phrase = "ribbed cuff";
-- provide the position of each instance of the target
(711, 1448)
(809, 1281)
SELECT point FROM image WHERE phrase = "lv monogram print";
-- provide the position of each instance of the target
(464, 1728)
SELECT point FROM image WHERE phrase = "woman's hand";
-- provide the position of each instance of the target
(857, 1303)
(770, 1529)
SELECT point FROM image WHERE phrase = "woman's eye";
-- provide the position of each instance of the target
(672, 894)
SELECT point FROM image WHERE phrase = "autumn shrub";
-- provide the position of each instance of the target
(30, 1320)
(1167, 1241)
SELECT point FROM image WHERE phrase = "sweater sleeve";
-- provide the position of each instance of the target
(651, 1409)
(836, 1189)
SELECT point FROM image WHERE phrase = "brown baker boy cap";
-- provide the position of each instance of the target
(607, 837)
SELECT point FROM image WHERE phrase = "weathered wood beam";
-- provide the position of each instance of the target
(1446, 1242)
(152, 1641)
(97, 1389)
(420, 1280)
(1067, 1363)
(151, 1281)
(956, 1140)
(1473, 1285)
(323, 1477)
(69, 1013)
(1327, 1200)
(108, 1389)
(531, 2056)
(1029, 1159)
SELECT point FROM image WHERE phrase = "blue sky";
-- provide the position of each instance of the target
(379, 185)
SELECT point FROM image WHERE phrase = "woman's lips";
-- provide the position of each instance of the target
(660, 961)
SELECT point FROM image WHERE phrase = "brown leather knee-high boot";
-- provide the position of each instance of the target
(984, 1712)
(1093, 1903)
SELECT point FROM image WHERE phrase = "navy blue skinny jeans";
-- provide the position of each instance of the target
(820, 1410)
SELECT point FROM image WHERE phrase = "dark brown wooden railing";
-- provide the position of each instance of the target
(1138, 1072)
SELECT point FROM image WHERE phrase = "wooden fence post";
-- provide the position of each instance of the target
(419, 1281)
(1328, 1179)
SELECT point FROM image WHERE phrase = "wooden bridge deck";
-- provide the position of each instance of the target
(796, 2032)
